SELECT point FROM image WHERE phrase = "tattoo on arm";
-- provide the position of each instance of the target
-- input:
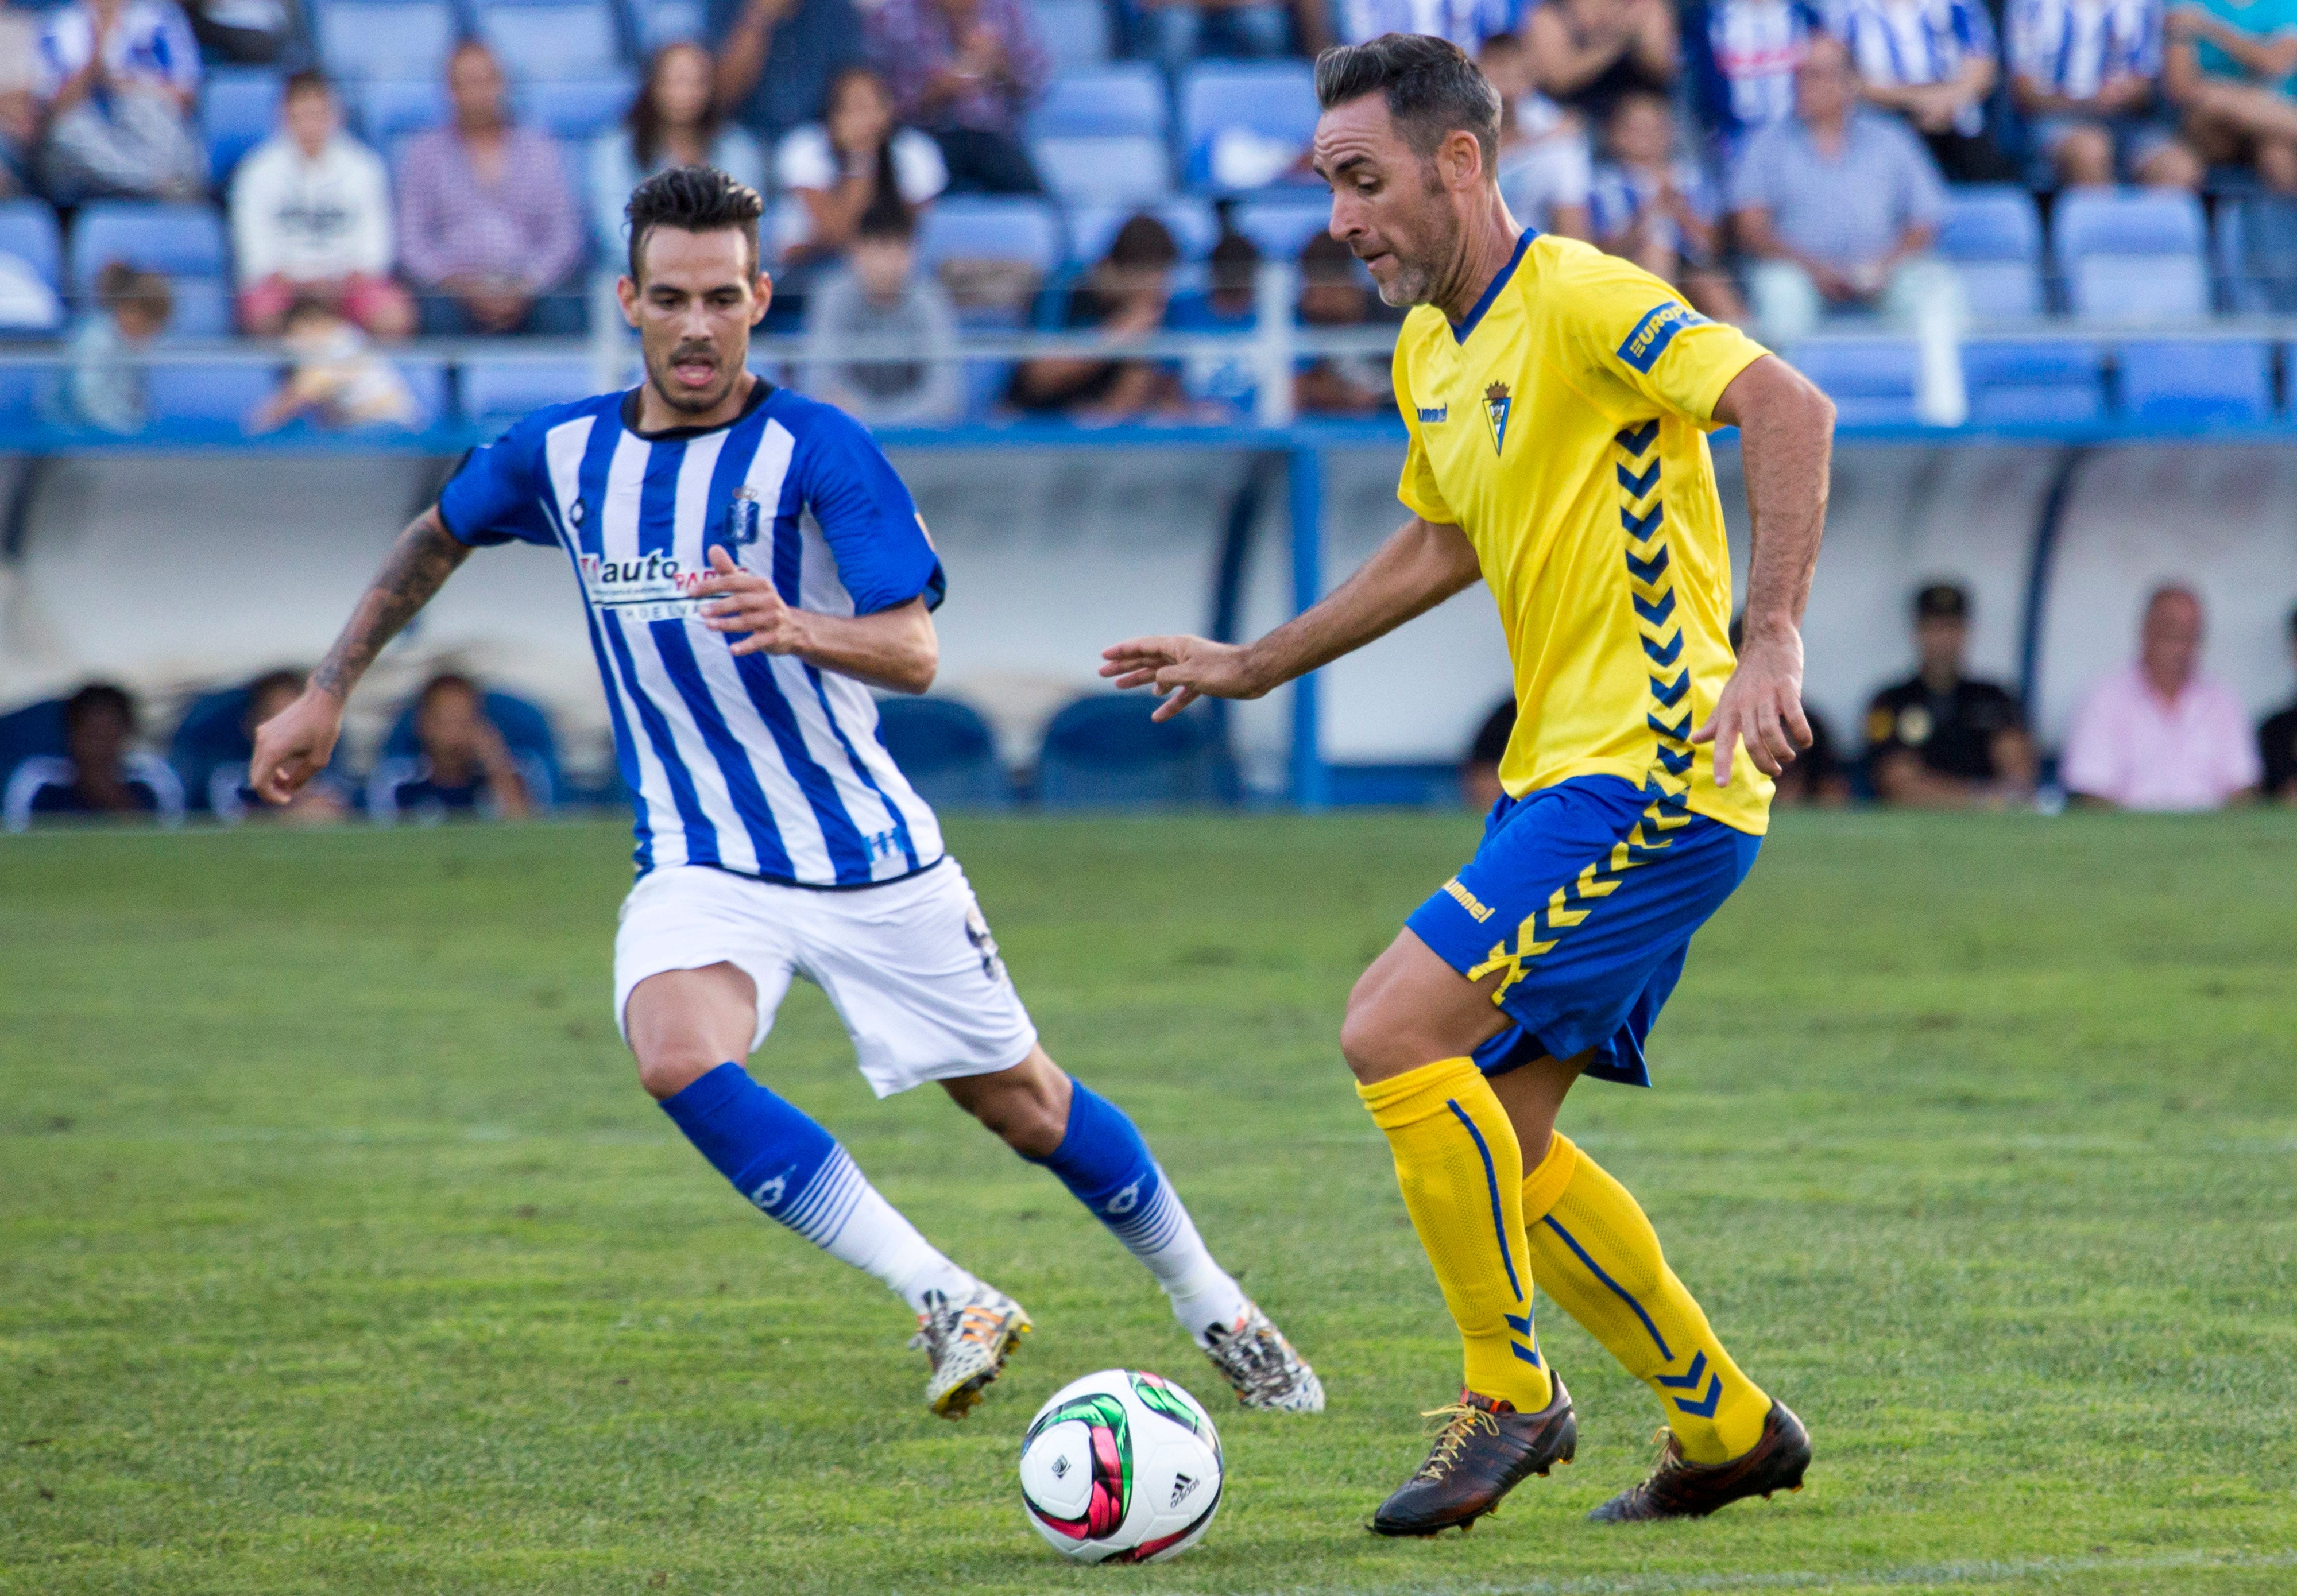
(418, 565)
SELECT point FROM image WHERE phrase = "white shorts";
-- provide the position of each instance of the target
(910, 965)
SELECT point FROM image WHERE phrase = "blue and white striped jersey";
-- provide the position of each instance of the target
(1742, 55)
(2070, 47)
(1904, 43)
(759, 764)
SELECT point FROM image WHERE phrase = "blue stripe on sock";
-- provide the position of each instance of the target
(1623, 1294)
(1491, 1179)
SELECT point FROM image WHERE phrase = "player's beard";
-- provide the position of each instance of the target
(685, 400)
(1414, 280)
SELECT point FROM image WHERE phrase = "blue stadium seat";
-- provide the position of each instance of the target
(239, 107)
(33, 731)
(28, 231)
(2196, 381)
(1075, 31)
(578, 108)
(661, 22)
(1103, 751)
(185, 242)
(2131, 257)
(526, 732)
(386, 38)
(2256, 253)
(970, 227)
(1125, 169)
(499, 389)
(1994, 236)
(1275, 100)
(1870, 380)
(391, 108)
(211, 735)
(208, 393)
(541, 41)
(427, 380)
(1284, 227)
(1092, 228)
(2043, 382)
(1125, 97)
(946, 751)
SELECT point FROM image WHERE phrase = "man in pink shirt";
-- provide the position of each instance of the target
(2159, 734)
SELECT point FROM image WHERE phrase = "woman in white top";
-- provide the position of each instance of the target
(674, 121)
(834, 168)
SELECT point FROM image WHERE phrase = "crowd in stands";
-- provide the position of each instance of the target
(1783, 162)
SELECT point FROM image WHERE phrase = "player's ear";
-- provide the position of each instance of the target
(626, 292)
(762, 296)
(1463, 158)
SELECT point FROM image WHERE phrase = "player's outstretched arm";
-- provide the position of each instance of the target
(295, 744)
(895, 648)
(1786, 440)
(1418, 568)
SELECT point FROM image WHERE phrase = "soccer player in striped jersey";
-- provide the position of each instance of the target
(752, 565)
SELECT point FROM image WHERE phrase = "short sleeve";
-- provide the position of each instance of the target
(920, 169)
(1883, 726)
(1749, 182)
(805, 159)
(1417, 488)
(496, 494)
(884, 557)
(2090, 763)
(1641, 331)
(1925, 196)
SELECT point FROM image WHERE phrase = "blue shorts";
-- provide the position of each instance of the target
(1586, 893)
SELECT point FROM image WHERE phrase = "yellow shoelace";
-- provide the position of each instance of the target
(1460, 1422)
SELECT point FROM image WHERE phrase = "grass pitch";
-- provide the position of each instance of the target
(340, 1252)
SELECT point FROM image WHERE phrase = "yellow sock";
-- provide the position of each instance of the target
(1461, 1173)
(1598, 1256)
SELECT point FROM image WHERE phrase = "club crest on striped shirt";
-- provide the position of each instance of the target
(1495, 412)
(745, 518)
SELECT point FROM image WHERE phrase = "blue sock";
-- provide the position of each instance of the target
(1108, 1167)
(795, 1172)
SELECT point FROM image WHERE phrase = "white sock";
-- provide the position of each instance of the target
(1165, 1240)
(845, 1217)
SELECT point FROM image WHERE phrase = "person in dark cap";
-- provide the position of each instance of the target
(2276, 742)
(1941, 738)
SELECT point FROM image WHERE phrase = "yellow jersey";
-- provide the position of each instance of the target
(1563, 428)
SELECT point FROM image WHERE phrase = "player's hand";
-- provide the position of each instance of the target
(1182, 670)
(294, 745)
(743, 601)
(1761, 706)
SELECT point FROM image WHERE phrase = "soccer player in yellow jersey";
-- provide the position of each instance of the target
(1558, 402)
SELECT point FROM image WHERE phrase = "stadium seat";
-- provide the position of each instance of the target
(1092, 228)
(2049, 381)
(239, 107)
(386, 38)
(1871, 380)
(390, 109)
(526, 732)
(578, 108)
(1284, 227)
(540, 42)
(2131, 257)
(1103, 751)
(2196, 381)
(1075, 31)
(212, 736)
(970, 227)
(29, 232)
(208, 393)
(34, 731)
(499, 389)
(185, 242)
(661, 22)
(946, 751)
(1993, 237)
(1273, 102)
(1126, 98)
(1122, 169)
(2256, 253)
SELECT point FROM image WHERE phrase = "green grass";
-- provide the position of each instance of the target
(340, 1252)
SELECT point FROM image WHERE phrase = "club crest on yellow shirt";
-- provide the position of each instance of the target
(1495, 411)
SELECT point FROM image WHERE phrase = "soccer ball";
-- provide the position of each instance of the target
(1121, 1467)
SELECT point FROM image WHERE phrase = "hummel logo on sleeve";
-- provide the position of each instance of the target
(1433, 413)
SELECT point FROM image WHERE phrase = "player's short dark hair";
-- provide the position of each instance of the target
(1942, 601)
(95, 698)
(1430, 85)
(306, 80)
(693, 199)
(448, 681)
(1143, 243)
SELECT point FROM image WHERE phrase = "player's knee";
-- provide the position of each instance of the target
(666, 1068)
(1371, 1041)
(1026, 1107)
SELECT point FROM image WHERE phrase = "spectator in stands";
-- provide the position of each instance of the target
(1933, 62)
(20, 97)
(840, 166)
(1124, 297)
(1467, 23)
(1176, 32)
(1585, 53)
(880, 298)
(1544, 165)
(317, 802)
(776, 58)
(488, 229)
(100, 771)
(462, 766)
(1479, 772)
(2231, 68)
(675, 120)
(1225, 383)
(1813, 779)
(105, 380)
(1941, 739)
(256, 33)
(1333, 293)
(965, 71)
(119, 79)
(1658, 210)
(1741, 54)
(310, 219)
(1839, 207)
(336, 379)
(2087, 75)
(2277, 741)
(2162, 734)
